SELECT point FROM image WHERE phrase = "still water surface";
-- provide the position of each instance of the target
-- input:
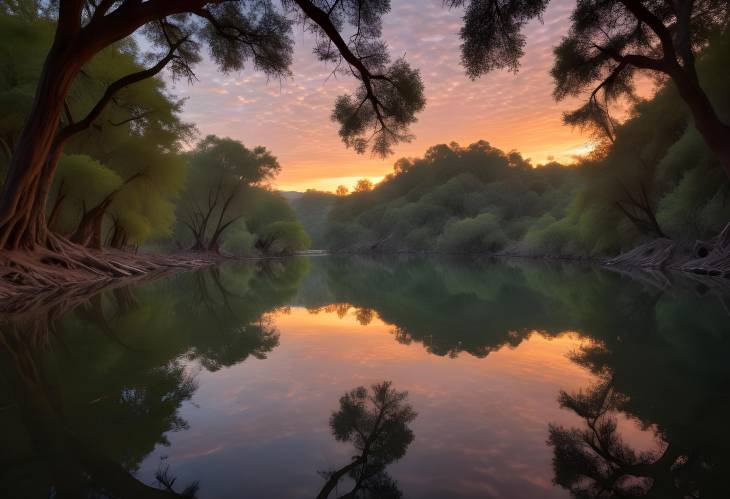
(523, 380)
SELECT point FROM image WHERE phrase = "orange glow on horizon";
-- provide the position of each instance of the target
(292, 117)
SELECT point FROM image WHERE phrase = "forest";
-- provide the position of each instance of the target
(653, 178)
(97, 161)
(129, 180)
(180, 317)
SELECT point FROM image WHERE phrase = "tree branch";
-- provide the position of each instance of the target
(638, 61)
(72, 129)
(131, 118)
(657, 26)
(320, 17)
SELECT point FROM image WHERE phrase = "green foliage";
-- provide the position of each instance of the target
(139, 134)
(84, 181)
(480, 199)
(239, 241)
(222, 189)
(472, 235)
(454, 199)
(23, 45)
(312, 209)
(283, 237)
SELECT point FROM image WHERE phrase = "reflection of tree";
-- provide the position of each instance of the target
(96, 381)
(47, 458)
(594, 461)
(376, 423)
(364, 316)
(451, 306)
(226, 312)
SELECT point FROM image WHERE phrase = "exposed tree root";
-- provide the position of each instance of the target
(710, 257)
(41, 274)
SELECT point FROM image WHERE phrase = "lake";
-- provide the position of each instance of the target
(523, 379)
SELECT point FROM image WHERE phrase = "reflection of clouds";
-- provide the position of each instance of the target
(292, 116)
(270, 418)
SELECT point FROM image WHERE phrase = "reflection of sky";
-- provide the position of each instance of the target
(292, 117)
(260, 429)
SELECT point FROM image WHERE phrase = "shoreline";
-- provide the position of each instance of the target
(16, 298)
(67, 284)
(688, 266)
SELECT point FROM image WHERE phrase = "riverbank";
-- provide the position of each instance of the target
(29, 279)
(702, 258)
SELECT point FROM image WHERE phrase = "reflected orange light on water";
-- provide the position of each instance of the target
(489, 415)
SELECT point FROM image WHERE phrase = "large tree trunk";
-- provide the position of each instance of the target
(88, 233)
(715, 133)
(56, 210)
(118, 239)
(36, 154)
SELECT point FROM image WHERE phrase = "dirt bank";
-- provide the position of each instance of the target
(32, 278)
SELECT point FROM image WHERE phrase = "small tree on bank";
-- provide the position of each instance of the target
(219, 172)
(236, 32)
(608, 42)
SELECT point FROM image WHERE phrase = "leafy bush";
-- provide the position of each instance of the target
(473, 235)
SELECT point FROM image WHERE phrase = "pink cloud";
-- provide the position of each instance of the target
(292, 117)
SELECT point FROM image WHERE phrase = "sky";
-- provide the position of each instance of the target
(292, 117)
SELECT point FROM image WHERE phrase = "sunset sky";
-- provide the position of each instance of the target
(292, 117)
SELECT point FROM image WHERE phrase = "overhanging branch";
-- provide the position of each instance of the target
(73, 128)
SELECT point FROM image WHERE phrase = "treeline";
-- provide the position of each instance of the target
(133, 178)
(652, 176)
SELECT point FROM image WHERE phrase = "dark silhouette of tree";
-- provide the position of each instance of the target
(607, 43)
(595, 461)
(376, 423)
(377, 115)
(64, 464)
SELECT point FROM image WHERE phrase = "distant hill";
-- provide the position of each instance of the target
(291, 195)
(312, 209)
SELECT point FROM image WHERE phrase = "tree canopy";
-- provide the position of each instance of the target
(607, 43)
(374, 117)
(125, 170)
(226, 192)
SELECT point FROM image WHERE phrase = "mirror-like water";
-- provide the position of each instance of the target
(479, 379)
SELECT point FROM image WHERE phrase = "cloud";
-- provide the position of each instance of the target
(292, 116)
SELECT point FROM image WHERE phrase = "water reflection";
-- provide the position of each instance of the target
(47, 455)
(377, 426)
(676, 390)
(94, 386)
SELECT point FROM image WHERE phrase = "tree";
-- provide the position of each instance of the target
(136, 140)
(609, 41)
(363, 185)
(341, 191)
(596, 462)
(220, 170)
(377, 115)
(283, 237)
(312, 209)
(377, 424)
